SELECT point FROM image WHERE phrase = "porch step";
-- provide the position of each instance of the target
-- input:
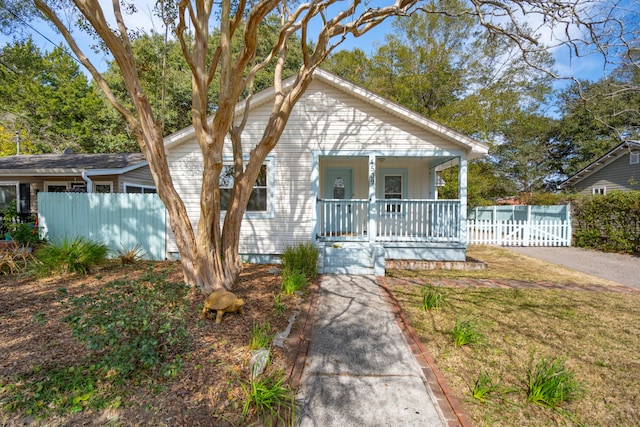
(349, 258)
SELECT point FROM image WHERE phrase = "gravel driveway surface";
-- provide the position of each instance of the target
(619, 268)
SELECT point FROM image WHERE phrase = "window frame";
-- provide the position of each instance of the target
(597, 191)
(143, 187)
(270, 187)
(383, 174)
(634, 157)
(109, 183)
(15, 184)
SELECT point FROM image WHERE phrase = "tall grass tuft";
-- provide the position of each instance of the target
(432, 298)
(466, 332)
(293, 281)
(76, 255)
(550, 383)
(482, 386)
(302, 257)
(261, 336)
(272, 400)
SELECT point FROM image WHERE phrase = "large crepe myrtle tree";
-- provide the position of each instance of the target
(209, 253)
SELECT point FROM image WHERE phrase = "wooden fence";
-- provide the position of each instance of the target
(121, 221)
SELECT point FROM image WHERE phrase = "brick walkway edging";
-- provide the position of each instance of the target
(448, 403)
(301, 340)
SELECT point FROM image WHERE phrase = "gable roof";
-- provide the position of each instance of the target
(600, 163)
(70, 164)
(474, 148)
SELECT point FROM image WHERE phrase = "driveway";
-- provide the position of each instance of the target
(619, 268)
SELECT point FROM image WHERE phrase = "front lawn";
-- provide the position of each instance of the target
(594, 337)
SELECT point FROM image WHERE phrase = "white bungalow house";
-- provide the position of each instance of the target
(353, 172)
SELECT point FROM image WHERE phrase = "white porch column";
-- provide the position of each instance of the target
(433, 188)
(372, 228)
(462, 195)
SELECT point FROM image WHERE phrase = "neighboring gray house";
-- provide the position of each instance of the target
(353, 172)
(619, 169)
(23, 176)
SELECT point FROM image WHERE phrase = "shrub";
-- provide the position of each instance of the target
(133, 324)
(70, 256)
(130, 255)
(302, 257)
(550, 383)
(293, 281)
(608, 222)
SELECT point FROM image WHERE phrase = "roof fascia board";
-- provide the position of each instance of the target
(70, 171)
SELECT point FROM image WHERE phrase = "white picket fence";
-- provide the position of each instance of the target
(520, 232)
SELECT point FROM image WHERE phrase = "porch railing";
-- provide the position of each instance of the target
(343, 219)
(418, 220)
(399, 220)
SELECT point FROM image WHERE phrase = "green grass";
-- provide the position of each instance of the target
(293, 281)
(261, 336)
(466, 332)
(550, 383)
(278, 306)
(271, 399)
(432, 298)
(594, 333)
(301, 257)
(482, 386)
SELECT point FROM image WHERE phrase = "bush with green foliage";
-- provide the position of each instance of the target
(70, 256)
(133, 325)
(302, 257)
(609, 223)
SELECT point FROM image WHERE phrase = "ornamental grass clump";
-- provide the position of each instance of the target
(272, 400)
(301, 257)
(550, 383)
(466, 332)
(432, 298)
(482, 386)
(76, 255)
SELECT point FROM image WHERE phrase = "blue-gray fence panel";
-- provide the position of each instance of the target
(520, 213)
(121, 221)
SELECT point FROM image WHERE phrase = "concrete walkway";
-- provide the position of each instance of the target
(359, 369)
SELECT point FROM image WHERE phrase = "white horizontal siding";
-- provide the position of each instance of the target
(324, 119)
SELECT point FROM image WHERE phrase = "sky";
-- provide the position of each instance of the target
(589, 67)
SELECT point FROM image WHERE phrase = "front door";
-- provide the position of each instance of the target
(338, 185)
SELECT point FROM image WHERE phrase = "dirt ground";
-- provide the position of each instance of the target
(207, 390)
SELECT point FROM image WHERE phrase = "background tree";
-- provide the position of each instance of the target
(46, 97)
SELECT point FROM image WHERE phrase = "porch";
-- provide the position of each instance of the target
(375, 207)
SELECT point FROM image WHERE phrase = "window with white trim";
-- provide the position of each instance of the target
(8, 194)
(139, 188)
(599, 190)
(392, 190)
(103, 187)
(259, 199)
(634, 158)
(65, 186)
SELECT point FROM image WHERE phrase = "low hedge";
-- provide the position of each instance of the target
(609, 223)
